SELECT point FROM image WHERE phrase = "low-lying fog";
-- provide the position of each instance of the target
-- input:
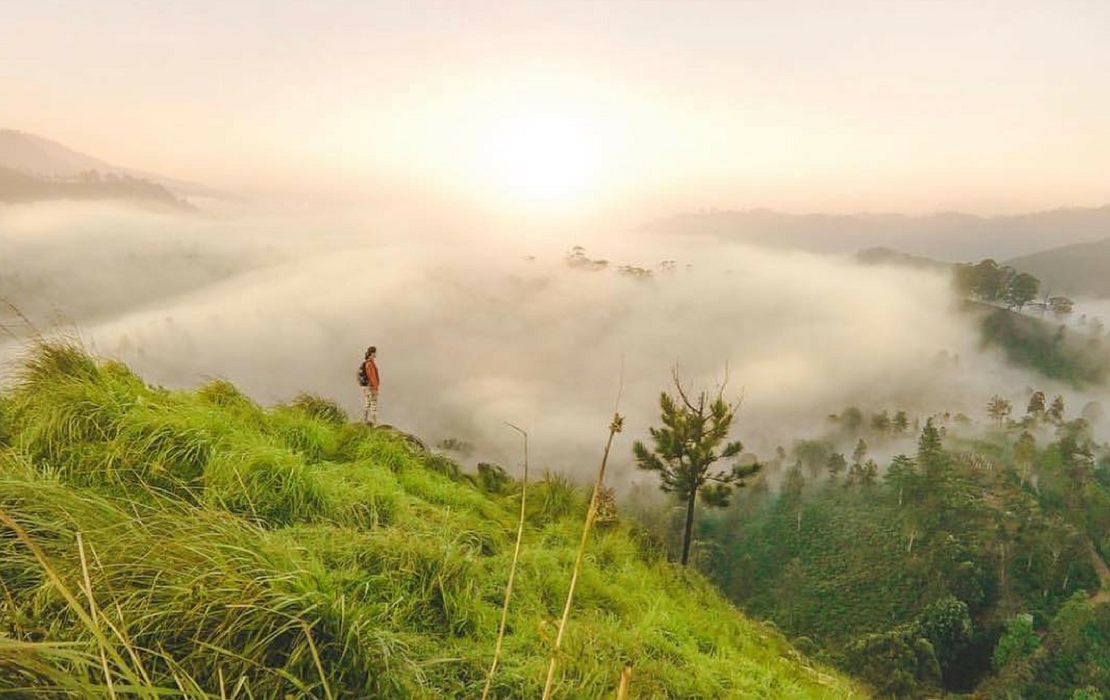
(474, 330)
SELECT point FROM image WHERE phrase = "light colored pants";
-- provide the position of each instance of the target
(370, 413)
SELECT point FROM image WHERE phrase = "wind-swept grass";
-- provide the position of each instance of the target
(156, 543)
(321, 409)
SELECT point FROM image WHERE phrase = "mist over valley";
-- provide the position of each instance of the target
(471, 337)
(550, 350)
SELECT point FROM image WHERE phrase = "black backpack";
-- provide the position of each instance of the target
(363, 380)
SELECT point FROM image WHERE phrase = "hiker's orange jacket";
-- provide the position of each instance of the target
(372, 373)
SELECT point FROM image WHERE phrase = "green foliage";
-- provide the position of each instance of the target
(1052, 351)
(310, 437)
(896, 663)
(813, 454)
(946, 624)
(912, 583)
(991, 282)
(1017, 642)
(985, 280)
(999, 409)
(222, 393)
(1022, 289)
(492, 478)
(5, 422)
(690, 441)
(264, 483)
(325, 410)
(1036, 405)
(1073, 659)
(197, 545)
(554, 498)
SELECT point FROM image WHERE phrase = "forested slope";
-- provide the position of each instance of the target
(975, 562)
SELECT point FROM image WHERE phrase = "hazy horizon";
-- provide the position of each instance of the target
(405, 160)
(536, 112)
(877, 232)
(472, 336)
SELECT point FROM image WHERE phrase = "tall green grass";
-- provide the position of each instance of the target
(193, 544)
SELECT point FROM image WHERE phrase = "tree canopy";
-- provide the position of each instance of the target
(691, 439)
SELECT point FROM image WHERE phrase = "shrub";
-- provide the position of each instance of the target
(323, 410)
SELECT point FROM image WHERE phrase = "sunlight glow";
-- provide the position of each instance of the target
(543, 161)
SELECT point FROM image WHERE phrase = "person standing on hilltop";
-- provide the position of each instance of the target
(369, 380)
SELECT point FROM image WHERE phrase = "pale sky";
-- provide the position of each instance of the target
(987, 106)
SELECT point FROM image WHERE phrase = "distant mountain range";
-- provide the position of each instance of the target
(33, 167)
(1080, 269)
(1077, 270)
(946, 236)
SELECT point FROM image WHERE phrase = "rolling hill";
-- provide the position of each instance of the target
(48, 160)
(1081, 269)
(951, 237)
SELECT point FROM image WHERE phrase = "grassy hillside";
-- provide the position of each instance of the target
(192, 544)
(1079, 269)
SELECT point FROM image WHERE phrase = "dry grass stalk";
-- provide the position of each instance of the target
(512, 568)
(92, 614)
(34, 331)
(74, 604)
(315, 659)
(591, 513)
(626, 679)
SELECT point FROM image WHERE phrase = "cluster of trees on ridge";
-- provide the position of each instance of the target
(1079, 359)
(976, 563)
(988, 281)
(17, 186)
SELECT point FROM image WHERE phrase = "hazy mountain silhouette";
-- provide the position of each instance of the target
(952, 237)
(49, 160)
(1080, 269)
(16, 186)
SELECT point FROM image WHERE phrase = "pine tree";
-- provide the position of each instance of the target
(901, 475)
(1036, 405)
(869, 473)
(930, 452)
(690, 441)
(901, 423)
(880, 422)
(792, 488)
(1056, 410)
(860, 452)
(999, 408)
(1025, 451)
(813, 455)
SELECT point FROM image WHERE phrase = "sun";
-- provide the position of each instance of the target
(543, 161)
